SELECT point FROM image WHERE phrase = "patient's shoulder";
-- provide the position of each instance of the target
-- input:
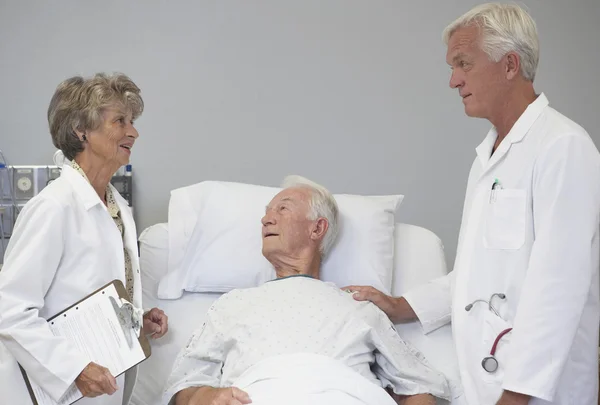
(228, 298)
(368, 311)
(359, 307)
(235, 301)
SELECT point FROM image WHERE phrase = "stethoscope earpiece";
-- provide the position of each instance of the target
(500, 295)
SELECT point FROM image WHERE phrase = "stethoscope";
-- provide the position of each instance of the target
(490, 363)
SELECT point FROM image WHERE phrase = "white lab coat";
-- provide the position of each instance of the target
(65, 245)
(535, 240)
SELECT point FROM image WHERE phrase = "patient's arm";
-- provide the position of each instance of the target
(198, 364)
(419, 399)
(183, 397)
(211, 396)
(398, 364)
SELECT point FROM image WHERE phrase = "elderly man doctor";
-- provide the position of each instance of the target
(523, 296)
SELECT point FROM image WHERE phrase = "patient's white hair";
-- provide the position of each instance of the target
(505, 28)
(322, 205)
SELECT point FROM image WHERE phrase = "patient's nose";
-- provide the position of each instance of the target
(268, 219)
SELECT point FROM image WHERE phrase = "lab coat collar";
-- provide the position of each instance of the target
(81, 186)
(516, 134)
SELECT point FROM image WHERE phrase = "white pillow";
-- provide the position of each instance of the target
(215, 242)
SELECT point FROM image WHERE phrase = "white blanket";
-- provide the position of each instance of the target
(309, 379)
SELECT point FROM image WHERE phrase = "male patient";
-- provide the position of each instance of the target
(297, 337)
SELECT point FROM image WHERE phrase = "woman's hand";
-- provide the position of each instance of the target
(96, 380)
(156, 323)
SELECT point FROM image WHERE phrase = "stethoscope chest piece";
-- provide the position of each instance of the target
(490, 364)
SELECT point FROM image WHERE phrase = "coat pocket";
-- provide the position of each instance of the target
(505, 220)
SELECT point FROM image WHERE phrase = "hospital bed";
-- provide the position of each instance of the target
(418, 257)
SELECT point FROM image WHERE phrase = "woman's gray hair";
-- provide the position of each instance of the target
(505, 28)
(322, 205)
(78, 103)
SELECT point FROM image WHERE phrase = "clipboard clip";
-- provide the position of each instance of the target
(130, 318)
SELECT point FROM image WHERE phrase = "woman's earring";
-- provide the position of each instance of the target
(83, 138)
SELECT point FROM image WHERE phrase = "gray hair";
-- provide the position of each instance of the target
(78, 103)
(506, 28)
(322, 205)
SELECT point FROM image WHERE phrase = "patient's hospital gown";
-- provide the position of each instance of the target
(300, 315)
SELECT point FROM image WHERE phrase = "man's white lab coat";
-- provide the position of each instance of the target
(534, 239)
(65, 245)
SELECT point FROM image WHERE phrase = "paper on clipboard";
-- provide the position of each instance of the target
(97, 326)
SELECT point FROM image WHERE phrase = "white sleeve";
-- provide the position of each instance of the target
(402, 367)
(200, 362)
(432, 302)
(31, 262)
(566, 205)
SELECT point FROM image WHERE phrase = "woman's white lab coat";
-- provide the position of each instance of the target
(535, 239)
(65, 245)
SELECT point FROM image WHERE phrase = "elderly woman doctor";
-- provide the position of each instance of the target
(74, 237)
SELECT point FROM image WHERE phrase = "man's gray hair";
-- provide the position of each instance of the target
(505, 28)
(322, 205)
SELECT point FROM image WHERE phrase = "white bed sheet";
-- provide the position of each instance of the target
(419, 257)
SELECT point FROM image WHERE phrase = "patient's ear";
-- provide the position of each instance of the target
(319, 229)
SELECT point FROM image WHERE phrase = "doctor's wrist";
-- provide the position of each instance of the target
(184, 396)
(513, 398)
(402, 311)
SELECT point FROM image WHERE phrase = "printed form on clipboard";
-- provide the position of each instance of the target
(106, 328)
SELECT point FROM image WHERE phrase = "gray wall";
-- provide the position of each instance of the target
(353, 94)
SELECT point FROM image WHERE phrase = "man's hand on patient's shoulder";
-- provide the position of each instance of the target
(218, 396)
(396, 308)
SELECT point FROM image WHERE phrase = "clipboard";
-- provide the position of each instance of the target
(106, 300)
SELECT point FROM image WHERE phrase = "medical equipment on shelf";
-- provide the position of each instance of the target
(490, 363)
(19, 184)
(491, 308)
(5, 191)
